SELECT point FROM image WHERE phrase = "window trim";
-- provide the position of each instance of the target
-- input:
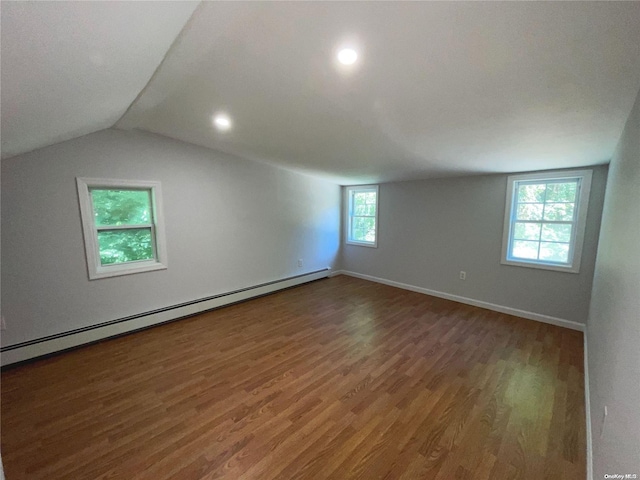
(349, 209)
(581, 204)
(90, 231)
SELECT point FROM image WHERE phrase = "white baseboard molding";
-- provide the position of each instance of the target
(560, 322)
(64, 341)
(587, 409)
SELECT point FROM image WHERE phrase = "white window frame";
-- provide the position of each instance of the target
(90, 230)
(349, 213)
(579, 223)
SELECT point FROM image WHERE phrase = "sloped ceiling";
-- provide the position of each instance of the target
(72, 68)
(440, 88)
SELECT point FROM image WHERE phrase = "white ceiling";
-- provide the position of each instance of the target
(441, 88)
(72, 68)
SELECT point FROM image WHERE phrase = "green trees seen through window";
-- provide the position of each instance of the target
(132, 213)
(544, 221)
(363, 226)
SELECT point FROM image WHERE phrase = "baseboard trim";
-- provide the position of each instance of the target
(587, 410)
(64, 341)
(560, 322)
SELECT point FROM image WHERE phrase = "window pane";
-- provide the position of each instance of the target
(370, 235)
(359, 198)
(370, 197)
(558, 211)
(530, 211)
(531, 193)
(561, 192)
(371, 210)
(358, 229)
(524, 249)
(119, 246)
(357, 223)
(363, 229)
(556, 232)
(554, 252)
(527, 231)
(360, 209)
(121, 207)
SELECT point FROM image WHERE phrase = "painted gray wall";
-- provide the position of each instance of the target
(230, 223)
(430, 230)
(613, 330)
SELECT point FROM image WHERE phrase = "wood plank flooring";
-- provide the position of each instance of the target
(337, 379)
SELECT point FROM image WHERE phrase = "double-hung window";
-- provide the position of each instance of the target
(122, 225)
(362, 215)
(545, 219)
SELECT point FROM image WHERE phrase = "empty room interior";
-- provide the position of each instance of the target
(320, 240)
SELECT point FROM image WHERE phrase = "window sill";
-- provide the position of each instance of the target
(362, 244)
(116, 271)
(542, 266)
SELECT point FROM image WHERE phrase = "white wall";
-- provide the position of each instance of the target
(430, 230)
(613, 330)
(231, 223)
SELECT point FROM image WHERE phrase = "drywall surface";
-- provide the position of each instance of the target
(230, 224)
(613, 329)
(431, 230)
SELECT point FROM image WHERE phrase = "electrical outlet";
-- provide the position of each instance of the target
(3, 324)
(300, 263)
(463, 275)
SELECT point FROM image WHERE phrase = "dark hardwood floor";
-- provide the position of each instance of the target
(337, 379)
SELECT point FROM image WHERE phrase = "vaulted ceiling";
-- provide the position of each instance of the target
(72, 68)
(439, 88)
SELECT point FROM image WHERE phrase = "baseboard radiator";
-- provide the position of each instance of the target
(20, 352)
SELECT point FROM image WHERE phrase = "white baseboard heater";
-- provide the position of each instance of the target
(81, 336)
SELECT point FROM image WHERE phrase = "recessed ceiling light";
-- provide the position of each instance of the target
(347, 56)
(222, 121)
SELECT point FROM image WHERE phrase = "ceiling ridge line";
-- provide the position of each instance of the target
(175, 41)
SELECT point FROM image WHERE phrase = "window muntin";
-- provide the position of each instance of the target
(122, 226)
(362, 214)
(545, 219)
